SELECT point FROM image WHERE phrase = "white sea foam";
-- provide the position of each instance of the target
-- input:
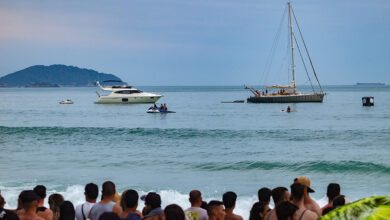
(75, 194)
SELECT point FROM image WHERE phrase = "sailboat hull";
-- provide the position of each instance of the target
(295, 98)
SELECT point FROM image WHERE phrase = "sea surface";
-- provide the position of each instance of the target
(207, 145)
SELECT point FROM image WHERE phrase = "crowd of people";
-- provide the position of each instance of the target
(293, 204)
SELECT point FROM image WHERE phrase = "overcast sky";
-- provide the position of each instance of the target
(196, 42)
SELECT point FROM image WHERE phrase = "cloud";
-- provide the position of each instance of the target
(69, 29)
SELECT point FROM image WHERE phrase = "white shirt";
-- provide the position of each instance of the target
(86, 209)
(196, 213)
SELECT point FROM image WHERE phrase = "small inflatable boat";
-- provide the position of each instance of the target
(67, 101)
(159, 111)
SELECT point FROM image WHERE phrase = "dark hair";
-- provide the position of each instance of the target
(67, 211)
(256, 209)
(229, 199)
(339, 201)
(109, 216)
(264, 195)
(297, 191)
(40, 190)
(212, 205)
(278, 194)
(129, 199)
(195, 195)
(153, 199)
(174, 212)
(285, 210)
(333, 190)
(204, 205)
(108, 188)
(55, 201)
(91, 191)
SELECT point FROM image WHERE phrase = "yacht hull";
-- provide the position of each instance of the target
(315, 97)
(127, 99)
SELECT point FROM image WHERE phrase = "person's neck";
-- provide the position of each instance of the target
(107, 199)
(130, 210)
(229, 211)
(90, 200)
(306, 199)
(299, 203)
(31, 211)
(196, 205)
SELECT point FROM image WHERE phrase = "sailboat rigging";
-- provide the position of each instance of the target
(289, 93)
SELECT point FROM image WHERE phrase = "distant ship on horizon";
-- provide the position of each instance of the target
(370, 84)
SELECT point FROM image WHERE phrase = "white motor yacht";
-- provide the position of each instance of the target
(125, 94)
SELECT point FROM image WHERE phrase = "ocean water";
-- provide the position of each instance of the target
(207, 145)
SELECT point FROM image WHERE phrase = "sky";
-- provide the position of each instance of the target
(197, 42)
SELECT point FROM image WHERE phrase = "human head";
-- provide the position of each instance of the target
(153, 200)
(91, 191)
(333, 191)
(29, 199)
(204, 205)
(306, 182)
(264, 195)
(215, 210)
(229, 199)
(195, 198)
(40, 190)
(108, 189)
(258, 211)
(339, 201)
(280, 194)
(55, 201)
(67, 211)
(174, 212)
(285, 210)
(129, 199)
(297, 191)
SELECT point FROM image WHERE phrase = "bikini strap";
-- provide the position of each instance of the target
(300, 218)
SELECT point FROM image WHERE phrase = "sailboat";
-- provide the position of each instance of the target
(289, 93)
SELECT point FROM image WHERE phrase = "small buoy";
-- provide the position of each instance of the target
(368, 101)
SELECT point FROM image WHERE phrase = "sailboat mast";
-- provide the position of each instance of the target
(292, 46)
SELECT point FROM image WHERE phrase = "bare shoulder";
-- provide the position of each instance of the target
(314, 207)
(239, 217)
(47, 214)
(271, 215)
(234, 217)
(117, 209)
(309, 215)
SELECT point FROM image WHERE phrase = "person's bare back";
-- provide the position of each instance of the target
(232, 216)
(47, 214)
(305, 214)
(28, 215)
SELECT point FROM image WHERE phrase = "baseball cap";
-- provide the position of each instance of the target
(304, 181)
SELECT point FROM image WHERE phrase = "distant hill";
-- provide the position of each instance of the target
(54, 76)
